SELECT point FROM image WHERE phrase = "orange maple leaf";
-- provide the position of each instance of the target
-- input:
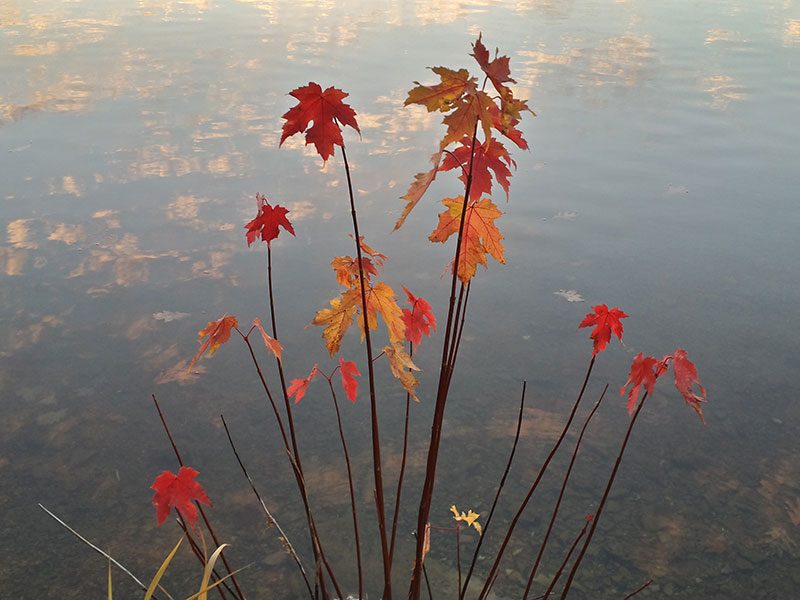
(474, 107)
(298, 387)
(271, 343)
(490, 155)
(217, 333)
(420, 185)
(480, 237)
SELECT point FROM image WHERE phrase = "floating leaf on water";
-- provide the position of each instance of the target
(569, 295)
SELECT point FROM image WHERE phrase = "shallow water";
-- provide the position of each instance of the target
(662, 178)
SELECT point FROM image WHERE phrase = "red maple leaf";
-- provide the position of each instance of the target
(497, 70)
(490, 155)
(685, 378)
(217, 332)
(349, 372)
(644, 372)
(605, 323)
(326, 110)
(267, 221)
(179, 491)
(419, 320)
(298, 387)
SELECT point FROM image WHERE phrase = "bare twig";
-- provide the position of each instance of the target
(495, 566)
(565, 562)
(270, 518)
(602, 504)
(118, 564)
(217, 544)
(639, 589)
(401, 475)
(497, 493)
(561, 495)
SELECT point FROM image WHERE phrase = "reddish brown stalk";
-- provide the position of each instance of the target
(458, 556)
(287, 403)
(239, 592)
(499, 556)
(564, 563)
(602, 504)
(316, 543)
(270, 519)
(460, 329)
(637, 590)
(398, 494)
(441, 396)
(352, 492)
(488, 521)
(561, 495)
(373, 404)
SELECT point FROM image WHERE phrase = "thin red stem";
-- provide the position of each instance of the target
(400, 477)
(499, 556)
(373, 404)
(565, 562)
(637, 590)
(441, 396)
(603, 500)
(352, 492)
(488, 521)
(561, 494)
(239, 592)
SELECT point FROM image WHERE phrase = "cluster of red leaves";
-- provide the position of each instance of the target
(469, 110)
(419, 319)
(180, 492)
(645, 370)
(348, 371)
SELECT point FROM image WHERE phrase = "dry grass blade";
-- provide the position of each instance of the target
(161, 570)
(203, 593)
(218, 582)
(110, 585)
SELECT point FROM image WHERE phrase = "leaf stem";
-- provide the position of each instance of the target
(561, 495)
(488, 522)
(217, 544)
(499, 556)
(352, 491)
(270, 519)
(603, 500)
(401, 475)
(373, 404)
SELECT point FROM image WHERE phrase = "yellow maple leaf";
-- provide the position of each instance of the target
(470, 518)
(337, 319)
(480, 237)
(442, 95)
(402, 367)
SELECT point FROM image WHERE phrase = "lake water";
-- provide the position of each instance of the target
(662, 178)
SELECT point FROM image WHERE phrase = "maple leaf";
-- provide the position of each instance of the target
(346, 269)
(298, 387)
(381, 300)
(420, 185)
(217, 333)
(605, 323)
(420, 320)
(271, 343)
(180, 492)
(480, 237)
(378, 257)
(490, 155)
(326, 110)
(474, 107)
(349, 372)
(443, 95)
(402, 367)
(497, 70)
(685, 378)
(470, 518)
(644, 372)
(338, 318)
(267, 221)
(506, 118)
